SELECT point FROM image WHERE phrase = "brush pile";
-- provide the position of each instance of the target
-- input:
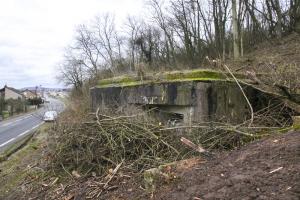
(99, 142)
(105, 141)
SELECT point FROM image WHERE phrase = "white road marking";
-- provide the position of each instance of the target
(25, 132)
(6, 124)
(21, 118)
(17, 120)
(8, 141)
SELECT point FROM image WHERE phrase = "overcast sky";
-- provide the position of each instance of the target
(33, 34)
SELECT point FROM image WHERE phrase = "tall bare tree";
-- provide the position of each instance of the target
(133, 28)
(235, 33)
(179, 33)
(164, 23)
(72, 72)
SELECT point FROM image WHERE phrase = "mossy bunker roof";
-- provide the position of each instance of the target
(165, 77)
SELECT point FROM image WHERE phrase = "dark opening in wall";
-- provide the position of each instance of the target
(166, 117)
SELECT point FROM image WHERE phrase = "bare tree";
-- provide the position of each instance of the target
(72, 73)
(105, 38)
(163, 21)
(87, 52)
(133, 30)
(294, 13)
(180, 33)
(235, 34)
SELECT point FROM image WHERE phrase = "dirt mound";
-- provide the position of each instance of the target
(267, 169)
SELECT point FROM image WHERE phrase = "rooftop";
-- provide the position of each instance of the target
(165, 77)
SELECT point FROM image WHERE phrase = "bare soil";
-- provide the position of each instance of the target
(245, 173)
(267, 169)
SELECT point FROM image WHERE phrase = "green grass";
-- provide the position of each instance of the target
(5, 114)
(10, 174)
(16, 168)
(14, 147)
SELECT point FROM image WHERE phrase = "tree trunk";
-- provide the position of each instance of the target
(236, 53)
(276, 6)
(242, 44)
(295, 15)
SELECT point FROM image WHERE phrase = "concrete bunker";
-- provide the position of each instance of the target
(187, 100)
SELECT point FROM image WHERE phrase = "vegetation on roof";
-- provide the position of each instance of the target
(173, 76)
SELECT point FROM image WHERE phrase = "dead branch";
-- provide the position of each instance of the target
(192, 145)
(109, 177)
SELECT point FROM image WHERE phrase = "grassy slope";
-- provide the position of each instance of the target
(21, 165)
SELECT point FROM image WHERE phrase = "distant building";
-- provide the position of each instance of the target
(39, 94)
(10, 93)
(29, 94)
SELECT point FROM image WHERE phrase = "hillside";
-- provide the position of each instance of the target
(264, 169)
(270, 54)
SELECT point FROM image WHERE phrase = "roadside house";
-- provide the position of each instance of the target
(29, 94)
(11, 101)
(10, 93)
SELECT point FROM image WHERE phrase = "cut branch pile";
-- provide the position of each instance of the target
(107, 141)
(139, 142)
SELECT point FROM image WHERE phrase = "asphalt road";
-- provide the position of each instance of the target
(14, 129)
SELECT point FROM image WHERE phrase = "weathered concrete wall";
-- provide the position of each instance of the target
(197, 101)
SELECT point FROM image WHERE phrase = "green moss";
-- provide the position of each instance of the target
(174, 76)
(296, 127)
(118, 80)
(194, 74)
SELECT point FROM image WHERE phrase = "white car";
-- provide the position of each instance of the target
(50, 116)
